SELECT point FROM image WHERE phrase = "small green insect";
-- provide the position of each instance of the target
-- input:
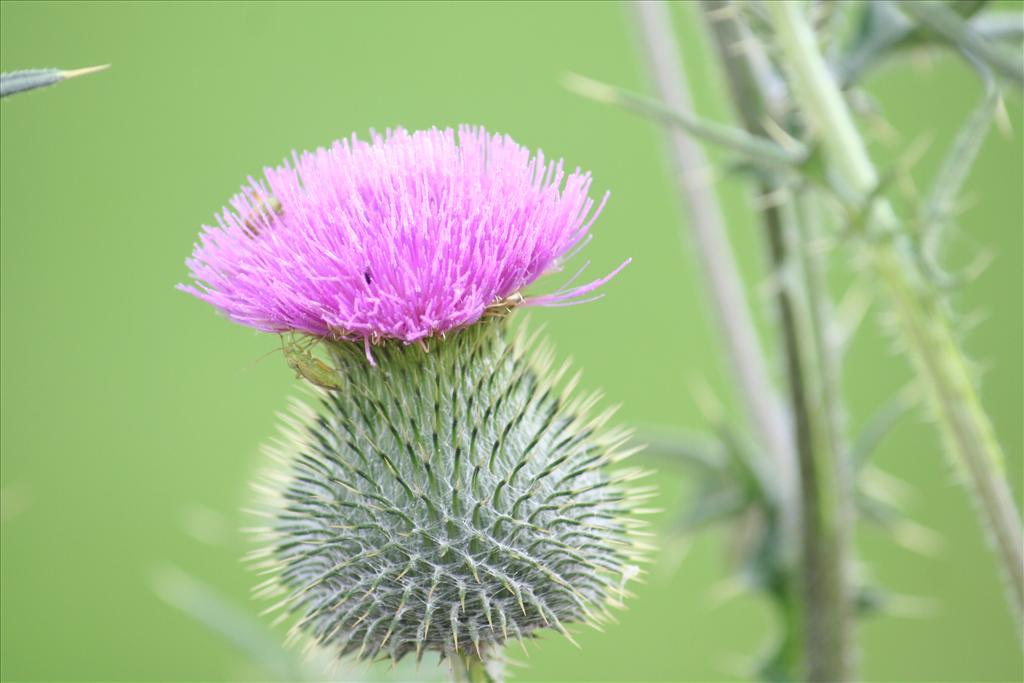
(307, 366)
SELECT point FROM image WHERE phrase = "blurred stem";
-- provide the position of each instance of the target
(830, 629)
(714, 254)
(827, 625)
(812, 364)
(922, 321)
(827, 346)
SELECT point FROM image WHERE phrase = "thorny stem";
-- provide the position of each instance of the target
(922, 320)
(722, 280)
(830, 629)
(826, 342)
(812, 363)
(966, 429)
(826, 646)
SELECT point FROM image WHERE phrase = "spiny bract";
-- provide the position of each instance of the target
(448, 501)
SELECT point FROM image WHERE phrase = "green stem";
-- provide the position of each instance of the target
(722, 280)
(965, 426)
(827, 647)
(922, 322)
(827, 347)
(822, 599)
(831, 644)
(818, 93)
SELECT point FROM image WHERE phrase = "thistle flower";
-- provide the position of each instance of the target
(446, 500)
(406, 236)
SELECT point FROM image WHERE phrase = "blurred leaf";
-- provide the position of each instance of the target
(711, 507)
(1001, 25)
(30, 79)
(960, 158)
(207, 606)
(884, 419)
(881, 29)
(679, 446)
(945, 22)
(747, 463)
(873, 601)
(937, 210)
(753, 148)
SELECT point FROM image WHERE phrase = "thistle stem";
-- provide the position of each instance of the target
(812, 362)
(922, 321)
(721, 276)
(830, 628)
(825, 645)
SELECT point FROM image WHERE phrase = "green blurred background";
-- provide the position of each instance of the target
(132, 414)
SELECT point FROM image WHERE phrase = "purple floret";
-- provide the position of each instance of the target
(405, 236)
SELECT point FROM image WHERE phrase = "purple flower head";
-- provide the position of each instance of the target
(402, 237)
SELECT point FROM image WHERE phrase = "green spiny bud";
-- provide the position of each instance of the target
(448, 500)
